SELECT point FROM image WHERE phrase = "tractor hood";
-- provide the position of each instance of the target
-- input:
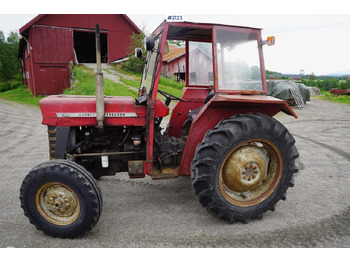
(68, 110)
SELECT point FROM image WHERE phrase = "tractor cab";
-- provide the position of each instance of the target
(225, 59)
(223, 65)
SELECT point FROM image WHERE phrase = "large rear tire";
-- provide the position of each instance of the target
(244, 167)
(61, 198)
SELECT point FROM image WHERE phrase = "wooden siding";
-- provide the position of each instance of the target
(52, 45)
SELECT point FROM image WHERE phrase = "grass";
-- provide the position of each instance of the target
(170, 90)
(21, 95)
(165, 84)
(326, 95)
(85, 85)
(131, 82)
(171, 83)
(171, 86)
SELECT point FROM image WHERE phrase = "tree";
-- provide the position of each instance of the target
(177, 42)
(2, 37)
(9, 63)
(312, 76)
(12, 39)
(330, 83)
(346, 84)
(135, 64)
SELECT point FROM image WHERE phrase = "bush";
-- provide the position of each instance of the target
(135, 64)
(346, 84)
(5, 86)
(10, 85)
(326, 85)
(329, 83)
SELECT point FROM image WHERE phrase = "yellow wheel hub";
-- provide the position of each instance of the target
(245, 169)
(57, 203)
(250, 173)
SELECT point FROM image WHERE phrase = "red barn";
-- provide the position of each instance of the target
(50, 42)
(174, 61)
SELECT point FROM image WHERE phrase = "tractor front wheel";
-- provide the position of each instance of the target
(244, 167)
(61, 198)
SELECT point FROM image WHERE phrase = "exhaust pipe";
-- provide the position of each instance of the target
(100, 105)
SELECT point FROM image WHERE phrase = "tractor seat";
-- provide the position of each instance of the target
(193, 113)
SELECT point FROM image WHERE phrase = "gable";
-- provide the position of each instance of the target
(111, 22)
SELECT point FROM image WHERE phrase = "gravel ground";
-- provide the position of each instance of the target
(166, 213)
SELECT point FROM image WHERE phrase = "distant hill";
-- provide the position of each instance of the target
(340, 73)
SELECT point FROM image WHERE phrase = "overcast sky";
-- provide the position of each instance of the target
(316, 42)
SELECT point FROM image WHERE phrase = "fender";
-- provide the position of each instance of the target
(195, 98)
(223, 107)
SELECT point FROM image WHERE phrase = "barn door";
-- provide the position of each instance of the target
(53, 80)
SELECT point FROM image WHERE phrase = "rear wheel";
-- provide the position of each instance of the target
(244, 167)
(61, 198)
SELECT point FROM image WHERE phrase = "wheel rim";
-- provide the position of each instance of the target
(57, 204)
(250, 173)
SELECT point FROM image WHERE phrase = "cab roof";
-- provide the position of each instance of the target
(198, 31)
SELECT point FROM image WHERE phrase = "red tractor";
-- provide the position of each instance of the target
(221, 133)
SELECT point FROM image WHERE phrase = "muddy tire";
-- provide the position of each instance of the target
(61, 198)
(244, 166)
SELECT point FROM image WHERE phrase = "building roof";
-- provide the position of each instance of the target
(174, 52)
(38, 17)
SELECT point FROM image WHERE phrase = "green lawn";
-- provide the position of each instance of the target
(85, 85)
(168, 85)
(326, 95)
(21, 95)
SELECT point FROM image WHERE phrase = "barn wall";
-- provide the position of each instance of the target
(200, 68)
(174, 66)
(51, 37)
(87, 21)
(119, 29)
(51, 53)
(52, 45)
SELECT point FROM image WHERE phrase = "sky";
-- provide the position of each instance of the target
(308, 37)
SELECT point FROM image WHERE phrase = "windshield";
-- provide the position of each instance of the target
(238, 61)
(148, 70)
(200, 64)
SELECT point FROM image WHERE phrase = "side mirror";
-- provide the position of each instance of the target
(138, 52)
(149, 43)
(269, 41)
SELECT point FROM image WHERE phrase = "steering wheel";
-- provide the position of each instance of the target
(170, 97)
